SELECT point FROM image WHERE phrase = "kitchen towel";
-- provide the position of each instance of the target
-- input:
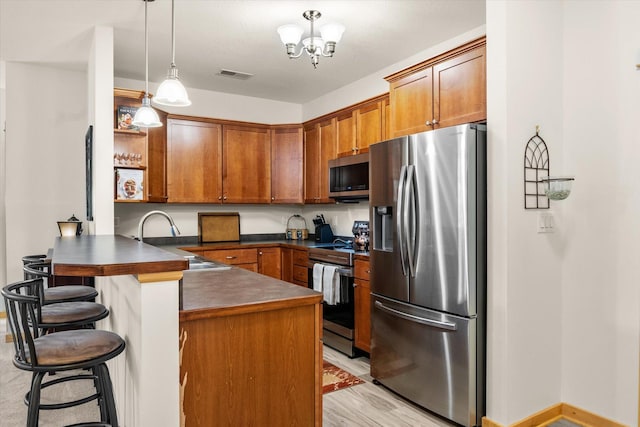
(330, 285)
(318, 269)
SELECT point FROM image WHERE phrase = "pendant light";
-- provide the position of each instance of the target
(146, 117)
(171, 91)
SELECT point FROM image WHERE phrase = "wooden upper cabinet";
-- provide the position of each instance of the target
(327, 152)
(194, 161)
(369, 125)
(286, 165)
(346, 134)
(444, 91)
(157, 161)
(246, 164)
(311, 163)
(319, 148)
(459, 87)
(411, 100)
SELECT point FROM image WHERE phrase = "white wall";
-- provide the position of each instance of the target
(600, 310)
(563, 307)
(46, 123)
(206, 103)
(100, 105)
(3, 158)
(524, 282)
(254, 219)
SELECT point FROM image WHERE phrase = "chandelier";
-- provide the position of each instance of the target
(314, 46)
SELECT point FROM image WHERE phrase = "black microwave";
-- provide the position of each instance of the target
(349, 177)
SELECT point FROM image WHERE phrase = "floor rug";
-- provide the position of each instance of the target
(334, 378)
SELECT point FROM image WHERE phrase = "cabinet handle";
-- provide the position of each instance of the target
(224, 197)
(219, 197)
(368, 271)
(260, 253)
(273, 198)
(428, 123)
(435, 122)
(230, 257)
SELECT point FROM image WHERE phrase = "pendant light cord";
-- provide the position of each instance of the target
(146, 54)
(173, 34)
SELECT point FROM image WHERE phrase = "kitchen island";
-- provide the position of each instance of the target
(244, 349)
(251, 350)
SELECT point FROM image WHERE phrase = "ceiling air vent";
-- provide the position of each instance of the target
(235, 74)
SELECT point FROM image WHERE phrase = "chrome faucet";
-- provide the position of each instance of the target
(174, 228)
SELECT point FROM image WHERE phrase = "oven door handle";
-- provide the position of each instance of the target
(342, 271)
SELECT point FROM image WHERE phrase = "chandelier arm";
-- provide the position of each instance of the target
(146, 54)
(299, 54)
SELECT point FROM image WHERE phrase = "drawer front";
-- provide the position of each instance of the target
(361, 269)
(233, 256)
(300, 257)
(300, 274)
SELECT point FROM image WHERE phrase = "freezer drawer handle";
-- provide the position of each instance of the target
(442, 325)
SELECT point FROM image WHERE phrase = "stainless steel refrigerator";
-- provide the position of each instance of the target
(428, 269)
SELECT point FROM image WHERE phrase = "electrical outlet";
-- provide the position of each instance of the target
(546, 223)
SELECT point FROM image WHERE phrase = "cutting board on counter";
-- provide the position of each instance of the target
(218, 227)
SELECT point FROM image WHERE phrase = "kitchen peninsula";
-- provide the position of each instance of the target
(243, 347)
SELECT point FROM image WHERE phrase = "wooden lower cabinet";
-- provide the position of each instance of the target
(270, 262)
(247, 367)
(300, 267)
(362, 295)
(243, 258)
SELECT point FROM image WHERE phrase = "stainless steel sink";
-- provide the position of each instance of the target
(198, 263)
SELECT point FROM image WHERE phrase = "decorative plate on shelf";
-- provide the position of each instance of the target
(129, 184)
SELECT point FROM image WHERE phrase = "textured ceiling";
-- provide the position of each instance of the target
(238, 35)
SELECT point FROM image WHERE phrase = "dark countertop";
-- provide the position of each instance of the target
(108, 255)
(236, 291)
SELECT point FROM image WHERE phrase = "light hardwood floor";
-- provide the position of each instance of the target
(368, 404)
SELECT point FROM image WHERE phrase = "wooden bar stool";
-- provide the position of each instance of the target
(84, 349)
(66, 293)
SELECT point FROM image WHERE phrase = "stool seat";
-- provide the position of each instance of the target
(65, 313)
(56, 294)
(69, 293)
(69, 347)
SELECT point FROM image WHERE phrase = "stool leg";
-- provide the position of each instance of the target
(97, 383)
(33, 413)
(107, 392)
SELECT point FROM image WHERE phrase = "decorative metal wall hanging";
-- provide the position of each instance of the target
(536, 166)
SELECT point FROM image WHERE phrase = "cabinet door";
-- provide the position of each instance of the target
(327, 152)
(411, 100)
(287, 264)
(369, 126)
(362, 312)
(460, 90)
(311, 164)
(286, 166)
(346, 134)
(157, 161)
(194, 161)
(362, 296)
(246, 166)
(269, 262)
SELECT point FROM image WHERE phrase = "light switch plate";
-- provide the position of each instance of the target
(546, 222)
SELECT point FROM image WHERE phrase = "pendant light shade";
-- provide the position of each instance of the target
(146, 117)
(171, 91)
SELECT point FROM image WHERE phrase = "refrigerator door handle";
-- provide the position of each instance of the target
(410, 220)
(429, 322)
(400, 218)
